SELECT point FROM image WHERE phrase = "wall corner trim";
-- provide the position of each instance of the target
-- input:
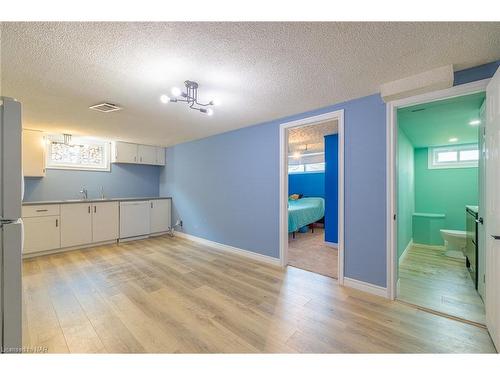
(231, 249)
(366, 287)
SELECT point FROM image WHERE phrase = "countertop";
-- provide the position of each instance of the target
(66, 201)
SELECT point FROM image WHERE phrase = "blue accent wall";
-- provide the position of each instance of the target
(226, 187)
(476, 73)
(331, 188)
(307, 184)
(124, 180)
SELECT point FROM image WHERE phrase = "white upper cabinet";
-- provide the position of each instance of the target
(76, 224)
(160, 155)
(33, 153)
(146, 154)
(124, 152)
(105, 221)
(160, 214)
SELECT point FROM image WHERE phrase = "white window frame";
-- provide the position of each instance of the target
(433, 151)
(107, 155)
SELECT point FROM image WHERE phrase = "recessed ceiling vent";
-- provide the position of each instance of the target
(105, 107)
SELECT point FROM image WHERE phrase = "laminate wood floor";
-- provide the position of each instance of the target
(430, 279)
(171, 295)
(308, 251)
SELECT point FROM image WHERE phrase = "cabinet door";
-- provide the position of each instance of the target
(160, 155)
(125, 152)
(76, 224)
(41, 233)
(147, 154)
(160, 215)
(33, 153)
(105, 221)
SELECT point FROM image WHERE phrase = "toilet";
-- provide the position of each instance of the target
(454, 242)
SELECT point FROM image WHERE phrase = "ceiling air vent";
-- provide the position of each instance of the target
(105, 107)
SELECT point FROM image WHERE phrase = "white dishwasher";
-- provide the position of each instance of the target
(134, 219)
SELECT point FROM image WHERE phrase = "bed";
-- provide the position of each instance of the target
(304, 211)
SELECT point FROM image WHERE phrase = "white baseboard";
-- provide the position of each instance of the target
(366, 287)
(431, 247)
(133, 238)
(231, 249)
(405, 252)
(332, 244)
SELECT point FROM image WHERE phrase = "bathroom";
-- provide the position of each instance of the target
(439, 215)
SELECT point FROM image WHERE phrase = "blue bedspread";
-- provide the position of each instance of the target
(304, 211)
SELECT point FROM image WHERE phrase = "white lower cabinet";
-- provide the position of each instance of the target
(76, 224)
(160, 213)
(105, 221)
(41, 233)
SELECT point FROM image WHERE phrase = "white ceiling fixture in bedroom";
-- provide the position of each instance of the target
(261, 71)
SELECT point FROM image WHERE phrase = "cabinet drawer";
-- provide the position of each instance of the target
(41, 210)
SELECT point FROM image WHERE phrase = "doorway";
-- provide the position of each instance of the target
(440, 262)
(309, 244)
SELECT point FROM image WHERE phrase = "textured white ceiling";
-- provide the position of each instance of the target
(310, 137)
(260, 71)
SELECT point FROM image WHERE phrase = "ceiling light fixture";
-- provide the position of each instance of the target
(474, 122)
(190, 96)
(453, 139)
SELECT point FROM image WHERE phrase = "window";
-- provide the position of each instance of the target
(298, 168)
(460, 156)
(315, 167)
(80, 154)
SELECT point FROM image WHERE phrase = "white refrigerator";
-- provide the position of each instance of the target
(11, 226)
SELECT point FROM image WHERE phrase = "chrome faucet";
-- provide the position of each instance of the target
(84, 194)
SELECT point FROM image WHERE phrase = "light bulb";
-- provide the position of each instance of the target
(210, 111)
(216, 102)
(474, 122)
(164, 99)
(176, 91)
(296, 155)
(454, 139)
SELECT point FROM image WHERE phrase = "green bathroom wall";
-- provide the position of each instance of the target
(406, 192)
(442, 191)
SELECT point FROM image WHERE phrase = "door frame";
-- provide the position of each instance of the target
(283, 160)
(392, 134)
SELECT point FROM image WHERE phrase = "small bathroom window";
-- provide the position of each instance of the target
(459, 156)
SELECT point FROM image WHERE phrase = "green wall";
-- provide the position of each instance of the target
(443, 191)
(406, 192)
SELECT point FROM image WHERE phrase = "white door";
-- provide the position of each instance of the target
(41, 233)
(76, 224)
(160, 215)
(105, 221)
(492, 220)
(147, 154)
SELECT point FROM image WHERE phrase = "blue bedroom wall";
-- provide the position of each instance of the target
(227, 192)
(308, 184)
(124, 180)
(331, 188)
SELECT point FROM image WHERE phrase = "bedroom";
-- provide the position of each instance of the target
(313, 198)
